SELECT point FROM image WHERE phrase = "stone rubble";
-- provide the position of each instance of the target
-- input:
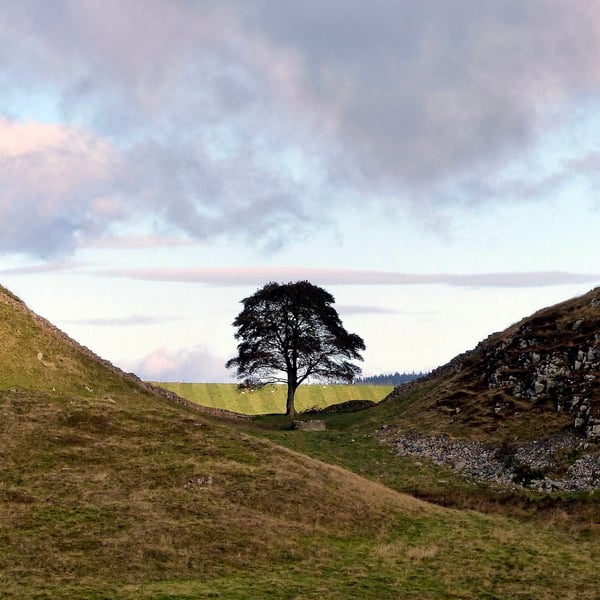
(530, 465)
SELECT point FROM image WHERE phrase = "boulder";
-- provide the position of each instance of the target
(311, 425)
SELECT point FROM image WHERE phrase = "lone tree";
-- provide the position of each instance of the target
(289, 332)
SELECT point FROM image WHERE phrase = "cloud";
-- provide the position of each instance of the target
(365, 310)
(44, 268)
(57, 182)
(187, 365)
(181, 110)
(359, 309)
(136, 241)
(130, 321)
(423, 92)
(244, 276)
(237, 119)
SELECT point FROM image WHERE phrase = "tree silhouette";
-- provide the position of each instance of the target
(290, 332)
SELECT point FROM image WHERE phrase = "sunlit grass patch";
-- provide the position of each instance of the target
(271, 399)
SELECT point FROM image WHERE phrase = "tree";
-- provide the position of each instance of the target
(290, 332)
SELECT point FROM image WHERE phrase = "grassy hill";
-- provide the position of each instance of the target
(37, 356)
(109, 489)
(271, 399)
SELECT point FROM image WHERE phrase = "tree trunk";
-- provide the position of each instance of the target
(290, 410)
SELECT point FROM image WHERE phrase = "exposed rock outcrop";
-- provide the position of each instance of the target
(548, 362)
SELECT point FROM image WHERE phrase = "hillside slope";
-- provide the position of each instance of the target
(38, 356)
(104, 479)
(541, 375)
(109, 489)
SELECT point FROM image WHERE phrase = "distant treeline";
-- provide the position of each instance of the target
(389, 379)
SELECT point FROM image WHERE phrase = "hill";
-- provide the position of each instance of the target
(37, 356)
(111, 488)
(539, 376)
(108, 486)
(522, 407)
(507, 427)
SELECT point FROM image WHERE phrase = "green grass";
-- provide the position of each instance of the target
(113, 492)
(355, 442)
(112, 499)
(141, 491)
(271, 399)
(37, 357)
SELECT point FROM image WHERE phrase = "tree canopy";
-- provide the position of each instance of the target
(290, 332)
(394, 379)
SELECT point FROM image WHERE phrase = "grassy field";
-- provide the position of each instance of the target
(271, 399)
(137, 498)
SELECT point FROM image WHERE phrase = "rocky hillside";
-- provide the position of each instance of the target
(544, 368)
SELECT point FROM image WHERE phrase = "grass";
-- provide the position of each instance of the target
(350, 441)
(271, 399)
(108, 491)
(136, 498)
(38, 357)
(139, 491)
(355, 441)
(396, 548)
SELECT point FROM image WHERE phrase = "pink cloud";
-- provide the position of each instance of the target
(56, 183)
(259, 275)
(17, 139)
(190, 364)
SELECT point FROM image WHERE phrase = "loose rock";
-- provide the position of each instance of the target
(532, 465)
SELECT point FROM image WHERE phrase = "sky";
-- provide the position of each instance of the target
(432, 164)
